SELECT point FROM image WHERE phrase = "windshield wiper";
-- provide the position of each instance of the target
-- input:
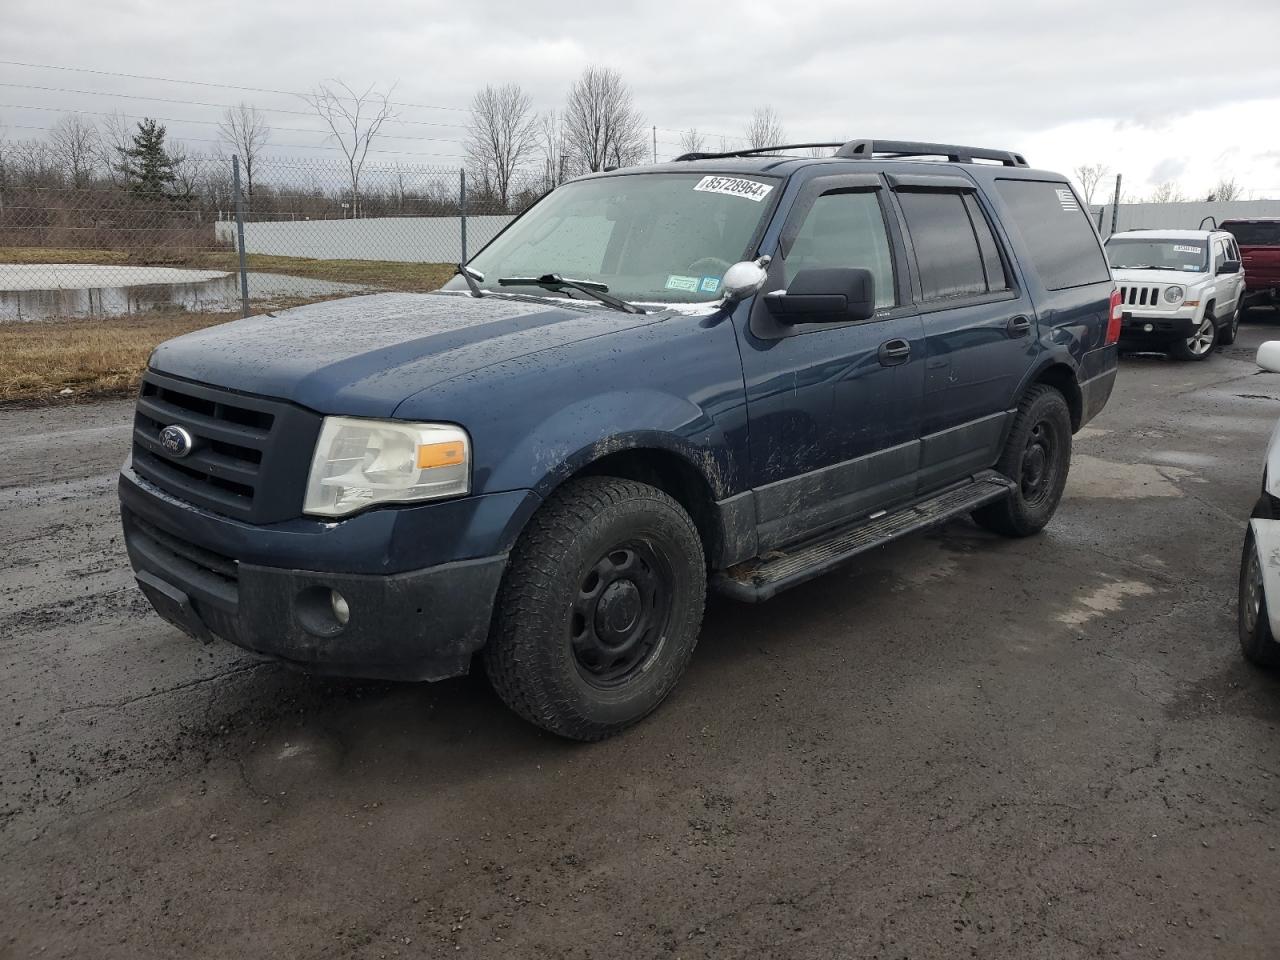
(592, 288)
(1137, 266)
(471, 276)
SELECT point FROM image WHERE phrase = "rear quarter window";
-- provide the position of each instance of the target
(1056, 232)
(1254, 234)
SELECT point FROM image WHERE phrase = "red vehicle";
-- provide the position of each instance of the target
(1259, 242)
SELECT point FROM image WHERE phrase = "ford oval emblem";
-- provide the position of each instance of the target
(177, 441)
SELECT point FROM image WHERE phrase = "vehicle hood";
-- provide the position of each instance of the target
(1160, 278)
(362, 356)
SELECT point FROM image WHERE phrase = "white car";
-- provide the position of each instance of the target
(1182, 291)
(1259, 615)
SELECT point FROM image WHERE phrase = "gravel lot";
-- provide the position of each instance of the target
(959, 745)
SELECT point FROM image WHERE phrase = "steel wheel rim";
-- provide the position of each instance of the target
(1039, 461)
(618, 619)
(1201, 342)
(1252, 590)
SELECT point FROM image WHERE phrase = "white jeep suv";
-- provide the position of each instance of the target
(1182, 291)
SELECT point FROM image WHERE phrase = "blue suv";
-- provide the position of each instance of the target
(729, 372)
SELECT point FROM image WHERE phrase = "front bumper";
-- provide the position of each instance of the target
(213, 576)
(1164, 329)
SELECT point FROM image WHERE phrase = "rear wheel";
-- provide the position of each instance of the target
(600, 608)
(1036, 458)
(1257, 643)
(1200, 344)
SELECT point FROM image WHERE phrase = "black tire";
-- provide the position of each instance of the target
(1257, 642)
(1036, 458)
(606, 568)
(1229, 330)
(1199, 346)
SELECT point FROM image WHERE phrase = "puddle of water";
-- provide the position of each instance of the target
(42, 291)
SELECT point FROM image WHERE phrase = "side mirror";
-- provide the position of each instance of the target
(828, 295)
(1269, 356)
(1229, 266)
(743, 279)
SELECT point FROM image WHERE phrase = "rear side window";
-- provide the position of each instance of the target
(948, 255)
(1255, 234)
(1057, 232)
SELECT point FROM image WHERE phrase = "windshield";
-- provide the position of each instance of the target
(1152, 253)
(657, 237)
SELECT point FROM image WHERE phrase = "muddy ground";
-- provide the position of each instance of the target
(957, 746)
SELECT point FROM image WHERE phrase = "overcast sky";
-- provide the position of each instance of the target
(1183, 91)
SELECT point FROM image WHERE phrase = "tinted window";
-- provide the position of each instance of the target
(845, 230)
(947, 251)
(1219, 254)
(992, 265)
(1255, 234)
(1057, 232)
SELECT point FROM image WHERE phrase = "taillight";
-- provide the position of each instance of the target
(1114, 318)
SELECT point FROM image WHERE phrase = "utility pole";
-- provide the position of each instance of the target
(655, 143)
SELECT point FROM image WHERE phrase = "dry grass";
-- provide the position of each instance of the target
(97, 357)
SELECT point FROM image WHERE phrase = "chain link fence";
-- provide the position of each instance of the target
(99, 242)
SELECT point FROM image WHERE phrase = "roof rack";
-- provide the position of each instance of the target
(752, 151)
(868, 149)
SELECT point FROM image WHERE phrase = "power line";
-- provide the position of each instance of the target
(289, 146)
(196, 103)
(207, 83)
(216, 123)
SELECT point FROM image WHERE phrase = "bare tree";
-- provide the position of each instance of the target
(354, 120)
(189, 171)
(116, 137)
(691, 141)
(1089, 176)
(602, 125)
(246, 132)
(1167, 192)
(765, 129)
(1227, 188)
(76, 144)
(502, 135)
(554, 147)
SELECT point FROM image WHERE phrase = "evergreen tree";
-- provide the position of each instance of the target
(147, 166)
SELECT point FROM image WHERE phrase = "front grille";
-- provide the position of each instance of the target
(1140, 296)
(250, 454)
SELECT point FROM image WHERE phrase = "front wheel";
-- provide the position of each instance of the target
(1257, 643)
(1227, 335)
(600, 608)
(1036, 458)
(1200, 344)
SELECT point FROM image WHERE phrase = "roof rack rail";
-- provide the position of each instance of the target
(867, 149)
(752, 151)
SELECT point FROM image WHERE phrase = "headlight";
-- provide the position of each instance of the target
(362, 463)
(1173, 294)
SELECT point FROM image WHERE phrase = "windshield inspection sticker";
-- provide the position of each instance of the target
(734, 187)
(1068, 200)
(677, 282)
(709, 284)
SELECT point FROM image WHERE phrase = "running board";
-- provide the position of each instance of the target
(759, 579)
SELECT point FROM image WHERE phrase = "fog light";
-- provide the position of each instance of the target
(1146, 326)
(338, 603)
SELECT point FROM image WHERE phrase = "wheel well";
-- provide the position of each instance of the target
(674, 476)
(1063, 379)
